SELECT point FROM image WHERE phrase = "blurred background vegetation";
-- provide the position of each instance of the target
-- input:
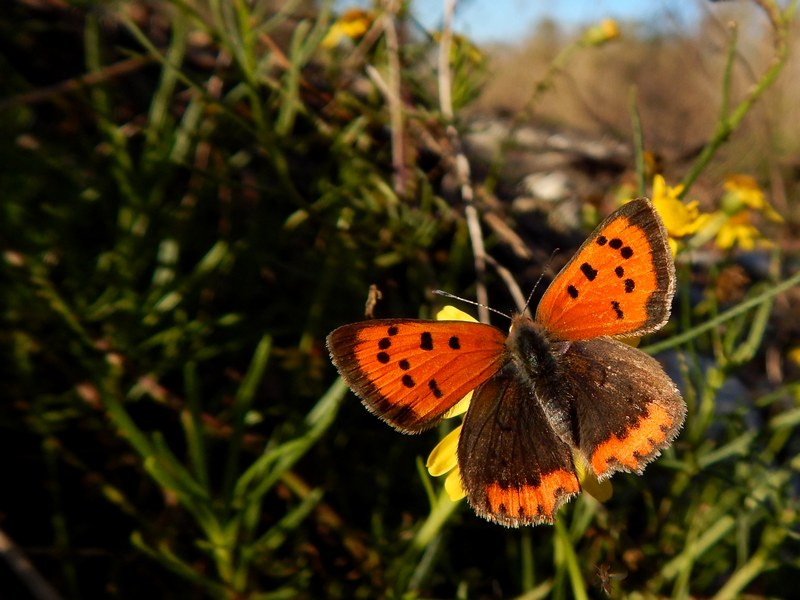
(195, 193)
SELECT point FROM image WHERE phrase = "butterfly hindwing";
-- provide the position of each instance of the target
(514, 468)
(625, 408)
(411, 372)
(619, 283)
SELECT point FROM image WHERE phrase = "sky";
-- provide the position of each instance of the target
(490, 21)
(487, 21)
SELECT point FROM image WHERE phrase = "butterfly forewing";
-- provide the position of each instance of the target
(619, 283)
(411, 372)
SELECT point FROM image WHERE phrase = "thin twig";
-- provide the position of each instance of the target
(462, 167)
(378, 80)
(394, 100)
(76, 83)
(37, 585)
(513, 287)
(367, 43)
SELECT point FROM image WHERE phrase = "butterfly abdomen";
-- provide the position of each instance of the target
(536, 358)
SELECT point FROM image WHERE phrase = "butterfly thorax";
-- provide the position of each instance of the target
(535, 357)
(529, 346)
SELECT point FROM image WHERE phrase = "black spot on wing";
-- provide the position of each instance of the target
(589, 272)
(434, 387)
(426, 341)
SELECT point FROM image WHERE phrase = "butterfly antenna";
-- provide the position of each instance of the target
(454, 297)
(535, 285)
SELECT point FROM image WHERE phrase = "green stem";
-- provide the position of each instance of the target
(638, 143)
(727, 124)
(570, 559)
(432, 526)
(726, 316)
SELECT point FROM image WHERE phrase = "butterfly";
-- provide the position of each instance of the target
(557, 387)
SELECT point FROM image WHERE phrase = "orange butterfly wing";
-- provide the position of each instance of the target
(411, 372)
(619, 283)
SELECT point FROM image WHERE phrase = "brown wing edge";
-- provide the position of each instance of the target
(642, 213)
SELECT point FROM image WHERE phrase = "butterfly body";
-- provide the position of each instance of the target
(557, 389)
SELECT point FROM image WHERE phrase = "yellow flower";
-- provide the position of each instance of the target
(794, 355)
(599, 490)
(597, 35)
(680, 218)
(443, 459)
(352, 25)
(462, 48)
(732, 225)
(743, 190)
(737, 231)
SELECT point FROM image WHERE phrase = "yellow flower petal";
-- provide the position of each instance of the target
(443, 457)
(794, 355)
(452, 485)
(680, 219)
(659, 187)
(737, 231)
(600, 490)
(451, 313)
(772, 214)
(743, 190)
(633, 342)
(662, 191)
(746, 189)
(673, 246)
(460, 408)
(353, 24)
